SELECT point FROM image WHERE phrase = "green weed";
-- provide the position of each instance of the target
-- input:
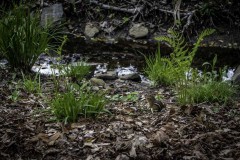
(77, 71)
(15, 95)
(78, 101)
(171, 70)
(32, 85)
(130, 97)
(206, 92)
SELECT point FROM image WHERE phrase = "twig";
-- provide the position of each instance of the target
(176, 12)
(132, 11)
(189, 19)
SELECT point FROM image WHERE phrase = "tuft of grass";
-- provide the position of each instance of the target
(77, 71)
(78, 101)
(206, 92)
(15, 95)
(32, 85)
(22, 38)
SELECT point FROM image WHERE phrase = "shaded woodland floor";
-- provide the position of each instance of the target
(204, 131)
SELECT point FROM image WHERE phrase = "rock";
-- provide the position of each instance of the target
(236, 76)
(132, 76)
(97, 82)
(90, 30)
(138, 31)
(122, 157)
(110, 75)
(52, 14)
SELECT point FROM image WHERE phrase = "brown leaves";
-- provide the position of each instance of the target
(133, 132)
(49, 140)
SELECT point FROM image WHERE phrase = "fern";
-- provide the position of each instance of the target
(176, 68)
(172, 69)
(204, 33)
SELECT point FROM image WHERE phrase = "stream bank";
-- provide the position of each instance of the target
(29, 130)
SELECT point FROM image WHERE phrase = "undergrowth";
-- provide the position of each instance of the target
(22, 38)
(175, 70)
(78, 101)
(77, 72)
(32, 85)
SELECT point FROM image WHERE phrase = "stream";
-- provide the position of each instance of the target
(126, 57)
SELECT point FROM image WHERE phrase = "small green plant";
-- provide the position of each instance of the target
(130, 97)
(77, 71)
(206, 92)
(15, 95)
(56, 80)
(77, 101)
(22, 38)
(125, 20)
(171, 70)
(14, 88)
(207, 87)
(32, 85)
(60, 48)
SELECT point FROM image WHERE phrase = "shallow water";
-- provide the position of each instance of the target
(121, 63)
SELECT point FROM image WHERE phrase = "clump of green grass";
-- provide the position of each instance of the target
(22, 38)
(77, 71)
(32, 85)
(78, 101)
(206, 92)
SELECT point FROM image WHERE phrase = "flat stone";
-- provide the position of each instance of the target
(138, 31)
(132, 76)
(52, 14)
(110, 75)
(90, 30)
(97, 82)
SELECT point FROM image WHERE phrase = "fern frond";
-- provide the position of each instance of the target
(203, 34)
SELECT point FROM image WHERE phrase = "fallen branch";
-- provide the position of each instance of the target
(132, 11)
(189, 19)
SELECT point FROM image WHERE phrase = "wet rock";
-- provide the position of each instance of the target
(52, 14)
(97, 82)
(90, 30)
(138, 31)
(132, 76)
(110, 75)
(236, 76)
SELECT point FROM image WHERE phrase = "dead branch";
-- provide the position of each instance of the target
(189, 19)
(132, 11)
(176, 12)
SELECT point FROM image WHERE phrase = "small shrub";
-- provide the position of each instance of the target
(22, 38)
(78, 101)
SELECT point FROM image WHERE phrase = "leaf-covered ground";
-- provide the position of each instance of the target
(204, 131)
